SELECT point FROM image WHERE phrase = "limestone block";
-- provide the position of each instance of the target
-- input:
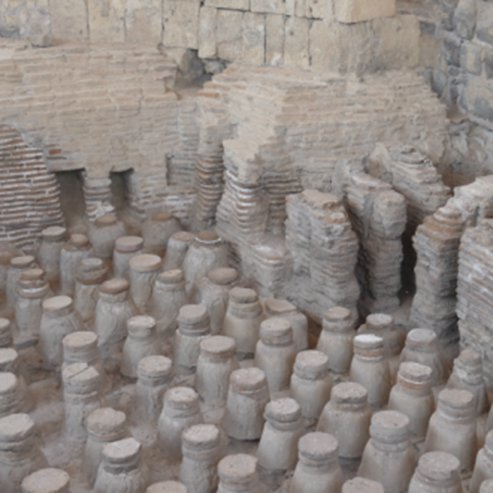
(349, 11)
(69, 19)
(321, 40)
(296, 8)
(35, 25)
(465, 18)
(181, 23)
(268, 6)
(253, 49)
(274, 39)
(318, 9)
(296, 43)
(143, 21)
(207, 32)
(229, 4)
(471, 57)
(106, 20)
(229, 37)
(484, 27)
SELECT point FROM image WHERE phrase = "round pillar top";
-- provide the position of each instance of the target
(284, 410)
(367, 341)
(243, 295)
(362, 485)
(122, 451)
(161, 216)
(173, 276)
(106, 220)
(389, 426)
(201, 437)
(54, 233)
(8, 382)
(167, 487)
(276, 330)
(49, 480)
(349, 393)
(183, 398)
(155, 366)
(116, 285)
(106, 422)
(238, 468)
(218, 346)
(248, 379)
(22, 261)
(318, 446)
(145, 262)
(439, 466)
(15, 427)
(420, 338)
(279, 306)
(415, 372)
(79, 240)
(57, 304)
(311, 364)
(80, 339)
(379, 321)
(223, 276)
(129, 244)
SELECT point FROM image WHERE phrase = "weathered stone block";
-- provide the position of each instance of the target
(181, 23)
(106, 20)
(465, 18)
(69, 19)
(268, 6)
(229, 4)
(274, 39)
(143, 21)
(349, 11)
(484, 28)
(229, 37)
(321, 40)
(318, 9)
(296, 43)
(451, 50)
(488, 64)
(207, 32)
(470, 58)
(253, 30)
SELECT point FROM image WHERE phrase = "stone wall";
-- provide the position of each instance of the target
(297, 33)
(103, 109)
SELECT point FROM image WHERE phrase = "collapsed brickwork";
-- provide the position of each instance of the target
(437, 243)
(475, 286)
(29, 193)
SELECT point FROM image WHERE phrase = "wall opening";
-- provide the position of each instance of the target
(72, 196)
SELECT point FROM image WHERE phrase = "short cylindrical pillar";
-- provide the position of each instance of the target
(275, 353)
(452, 427)
(121, 469)
(180, 410)
(370, 368)
(143, 270)
(193, 327)
(103, 425)
(336, 338)
(48, 256)
(217, 360)
(436, 472)
(201, 453)
(388, 456)
(347, 416)
(73, 252)
(318, 469)
(81, 384)
(90, 274)
(178, 246)
(311, 383)
(242, 320)
(126, 247)
(248, 395)
(19, 451)
(154, 376)
(238, 474)
(277, 450)
(140, 342)
(58, 320)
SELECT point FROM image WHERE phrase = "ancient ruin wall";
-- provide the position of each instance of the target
(29, 193)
